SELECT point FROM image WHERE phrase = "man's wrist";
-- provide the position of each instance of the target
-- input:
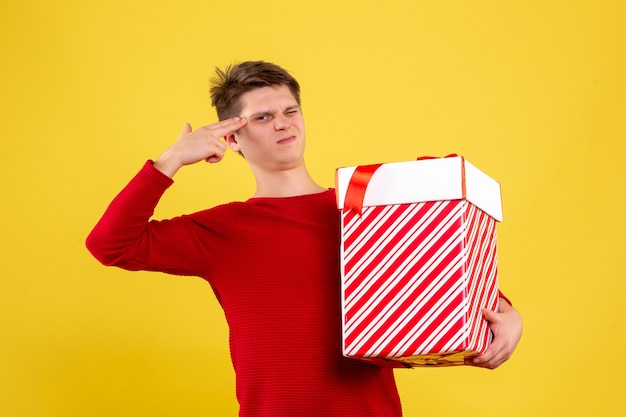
(167, 164)
(504, 305)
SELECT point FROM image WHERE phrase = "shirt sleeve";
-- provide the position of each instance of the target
(126, 237)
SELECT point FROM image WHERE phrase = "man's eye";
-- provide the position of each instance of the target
(263, 117)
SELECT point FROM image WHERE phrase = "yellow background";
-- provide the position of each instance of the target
(532, 92)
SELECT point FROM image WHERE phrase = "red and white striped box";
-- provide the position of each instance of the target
(418, 260)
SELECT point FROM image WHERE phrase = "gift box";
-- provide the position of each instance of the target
(418, 260)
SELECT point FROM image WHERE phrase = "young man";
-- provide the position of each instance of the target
(272, 261)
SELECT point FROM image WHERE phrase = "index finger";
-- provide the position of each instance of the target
(227, 126)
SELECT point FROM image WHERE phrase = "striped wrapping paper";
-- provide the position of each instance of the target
(415, 277)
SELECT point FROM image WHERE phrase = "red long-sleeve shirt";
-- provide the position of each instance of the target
(273, 263)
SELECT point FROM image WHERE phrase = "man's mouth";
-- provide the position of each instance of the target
(286, 140)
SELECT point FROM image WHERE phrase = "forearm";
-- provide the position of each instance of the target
(126, 219)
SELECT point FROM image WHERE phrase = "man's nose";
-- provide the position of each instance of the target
(281, 122)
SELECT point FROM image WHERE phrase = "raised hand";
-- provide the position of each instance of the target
(202, 144)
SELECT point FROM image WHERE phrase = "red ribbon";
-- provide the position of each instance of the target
(359, 181)
(419, 158)
(357, 186)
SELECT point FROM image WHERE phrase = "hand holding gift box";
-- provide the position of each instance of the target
(419, 261)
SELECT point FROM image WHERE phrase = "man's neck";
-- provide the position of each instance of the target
(287, 183)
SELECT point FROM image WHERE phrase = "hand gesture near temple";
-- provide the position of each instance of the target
(202, 144)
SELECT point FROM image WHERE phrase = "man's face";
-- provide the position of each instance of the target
(273, 138)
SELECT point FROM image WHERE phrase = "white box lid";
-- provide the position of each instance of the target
(424, 180)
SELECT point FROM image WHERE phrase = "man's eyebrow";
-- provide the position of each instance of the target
(262, 112)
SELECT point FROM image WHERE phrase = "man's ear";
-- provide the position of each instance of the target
(231, 141)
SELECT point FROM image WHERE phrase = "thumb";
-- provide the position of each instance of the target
(186, 130)
(489, 315)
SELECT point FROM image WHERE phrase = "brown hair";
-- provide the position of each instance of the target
(230, 84)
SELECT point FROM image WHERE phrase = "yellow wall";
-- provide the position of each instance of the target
(532, 92)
